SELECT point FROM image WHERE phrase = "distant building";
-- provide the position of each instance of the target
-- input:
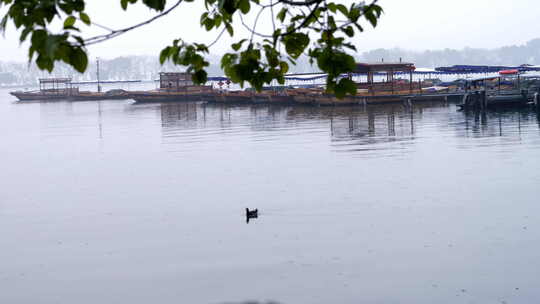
(174, 81)
(388, 69)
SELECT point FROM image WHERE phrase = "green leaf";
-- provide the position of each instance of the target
(229, 28)
(51, 44)
(343, 9)
(78, 59)
(38, 39)
(158, 5)
(296, 18)
(368, 14)
(84, 17)
(276, 35)
(344, 86)
(217, 20)
(164, 55)
(349, 46)
(296, 43)
(200, 77)
(332, 7)
(244, 6)
(25, 33)
(69, 22)
(227, 6)
(203, 17)
(44, 63)
(349, 31)
(124, 4)
(209, 23)
(238, 45)
(281, 15)
(354, 13)
(284, 67)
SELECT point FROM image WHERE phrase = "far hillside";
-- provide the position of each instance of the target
(148, 67)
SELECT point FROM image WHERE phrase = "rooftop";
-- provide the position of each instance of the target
(362, 67)
(54, 80)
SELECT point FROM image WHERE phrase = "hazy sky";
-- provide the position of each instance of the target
(414, 24)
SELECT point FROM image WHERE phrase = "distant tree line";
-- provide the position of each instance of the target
(148, 67)
(120, 68)
(529, 53)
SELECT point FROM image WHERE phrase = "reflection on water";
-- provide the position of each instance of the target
(117, 202)
(351, 129)
(499, 123)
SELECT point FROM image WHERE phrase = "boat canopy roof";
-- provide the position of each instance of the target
(218, 78)
(483, 78)
(384, 67)
(54, 80)
(424, 70)
(465, 69)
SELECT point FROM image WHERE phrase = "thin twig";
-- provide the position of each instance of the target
(217, 38)
(255, 22)
(115, 33)
(251, 30)
(272, 12)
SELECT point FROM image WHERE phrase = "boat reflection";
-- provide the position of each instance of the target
(501, 122)
(350, 128)
(356, 128)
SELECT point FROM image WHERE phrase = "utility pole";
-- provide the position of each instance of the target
(98, 85)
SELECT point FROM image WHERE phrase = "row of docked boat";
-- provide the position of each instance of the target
(299, 96)
(179, 87)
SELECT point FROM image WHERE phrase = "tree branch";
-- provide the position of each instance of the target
(116, 33)
(255, 22)
(251, 30)
(301, 3)
(217, 38)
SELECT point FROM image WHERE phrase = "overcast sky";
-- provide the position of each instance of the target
(410, 24)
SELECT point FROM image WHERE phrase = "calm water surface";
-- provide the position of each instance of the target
(111, 202)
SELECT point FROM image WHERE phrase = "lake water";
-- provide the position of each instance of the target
(114, 202)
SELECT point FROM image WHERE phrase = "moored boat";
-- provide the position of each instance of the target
(177, 87)
(56, 89)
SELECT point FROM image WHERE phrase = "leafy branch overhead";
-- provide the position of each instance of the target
(322, 30)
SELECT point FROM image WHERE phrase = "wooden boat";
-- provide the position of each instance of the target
(54, 89)
(186, 93)
(69, 95)
(483, 99)
(507, 99)
(174, 86)
(39, 95)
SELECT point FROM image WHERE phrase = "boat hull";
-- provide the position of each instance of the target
(32, 96)
(149, 97)
(187, 94)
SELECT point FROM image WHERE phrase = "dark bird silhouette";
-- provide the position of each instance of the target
(252, 213)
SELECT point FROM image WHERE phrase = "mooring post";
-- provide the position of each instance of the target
(484, 98)
(408, 102)
(410, 82)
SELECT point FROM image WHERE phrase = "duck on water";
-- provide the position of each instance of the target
(251, 214)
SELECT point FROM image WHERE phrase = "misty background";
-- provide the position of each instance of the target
(147, 67)
(425, 32)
